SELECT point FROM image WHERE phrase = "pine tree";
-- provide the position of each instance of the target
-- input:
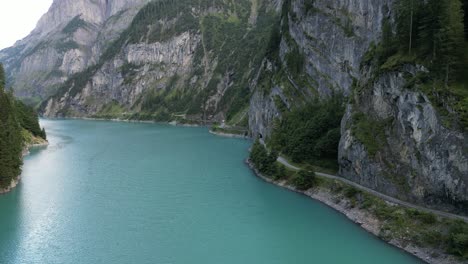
(388, 43)
(441, 36)
(451, 42)
(407, 19)
(429, 30)
(2, 77)
(14, 117)
(465, 12)
(11, 142)
(28, 118)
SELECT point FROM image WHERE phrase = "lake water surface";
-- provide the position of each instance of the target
(106, 192)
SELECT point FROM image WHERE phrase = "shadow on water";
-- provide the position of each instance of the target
(10, 224)
(12, 205)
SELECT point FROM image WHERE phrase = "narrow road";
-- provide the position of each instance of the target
(380, 195)
(287, 164)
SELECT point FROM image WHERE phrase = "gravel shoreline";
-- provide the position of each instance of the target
(366, 220)
(172, 123)
(221, 134)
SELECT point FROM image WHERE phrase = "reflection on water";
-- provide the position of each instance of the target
(9, 229)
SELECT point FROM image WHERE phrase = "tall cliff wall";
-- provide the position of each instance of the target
(409, 154)
(332, 37)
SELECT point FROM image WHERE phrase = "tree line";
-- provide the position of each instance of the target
(266, 163)
(15, 118)
(433, 34)
(434, 30)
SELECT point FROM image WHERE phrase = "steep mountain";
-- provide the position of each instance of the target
(68, 38)
(195, 59)
(278, 68)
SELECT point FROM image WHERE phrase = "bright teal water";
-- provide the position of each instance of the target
(114, 193)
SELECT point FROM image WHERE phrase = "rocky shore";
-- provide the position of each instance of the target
(222, 134)
(365, 219)
(36, 145)
(26, 152)
(172, 123)
(13, 184)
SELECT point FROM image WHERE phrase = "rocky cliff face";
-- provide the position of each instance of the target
(410, 154)
(67, 39)
(332, 37)
(184, 60)
(139, 66)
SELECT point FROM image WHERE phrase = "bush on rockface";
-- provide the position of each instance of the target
(310, 133)
(265, 162)
(458, 239)
(305, 179)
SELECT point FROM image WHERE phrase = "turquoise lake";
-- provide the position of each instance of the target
(107, 192)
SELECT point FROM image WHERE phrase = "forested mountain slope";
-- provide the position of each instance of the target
(19, 128)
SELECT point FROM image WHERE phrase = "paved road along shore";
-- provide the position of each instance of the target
(381, 195)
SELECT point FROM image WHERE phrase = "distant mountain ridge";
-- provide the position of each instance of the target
(67, 39)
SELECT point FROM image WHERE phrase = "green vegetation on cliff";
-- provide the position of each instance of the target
(75, 24)
(266, 163)
(310, 134)
(408, 226)
(429, 33)
(28, 119)
(228, 49)
(18, 123)
(370, 132)
(229, 42)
